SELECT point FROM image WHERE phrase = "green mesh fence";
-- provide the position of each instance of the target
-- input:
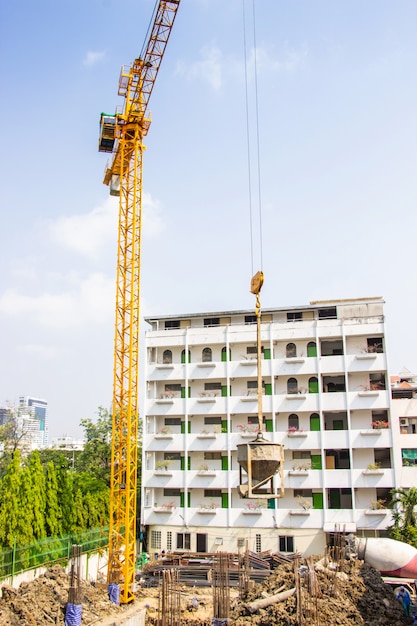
(49, 551)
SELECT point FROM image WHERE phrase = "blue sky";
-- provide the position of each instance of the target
(337, 101)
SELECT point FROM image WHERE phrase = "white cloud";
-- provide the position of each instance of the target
(208, 69)
(90, 302)
(92, 58)
(291, 59)
(215, 68)
(91, 234)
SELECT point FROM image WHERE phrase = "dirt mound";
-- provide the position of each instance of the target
(352, 595)
(43, 601)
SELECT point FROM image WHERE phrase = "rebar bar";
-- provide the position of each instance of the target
(221, 588)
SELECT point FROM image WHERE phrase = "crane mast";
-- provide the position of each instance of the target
(122, 134)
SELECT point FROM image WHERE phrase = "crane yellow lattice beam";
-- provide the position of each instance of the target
(122, 134)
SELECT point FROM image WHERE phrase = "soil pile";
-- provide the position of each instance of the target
(43, 601)
(353, 594)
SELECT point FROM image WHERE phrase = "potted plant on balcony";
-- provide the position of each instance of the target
(378, 505)
(294, 431)
(301, 467)
(208, 507)
(256, 507)
(305, 505)
(163, 465)
(373, 468)
(165, 507)
(379, 424)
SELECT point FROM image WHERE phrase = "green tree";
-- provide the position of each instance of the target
(95, 457)
(11, 437)
(53, 514)
(25, 523)
(65, 498)
(10, 505)
(404, 503)
(79, 523)
(37, 495)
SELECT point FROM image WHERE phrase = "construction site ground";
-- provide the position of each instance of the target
(320, 593)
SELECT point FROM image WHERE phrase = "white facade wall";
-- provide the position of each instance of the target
(197, 412)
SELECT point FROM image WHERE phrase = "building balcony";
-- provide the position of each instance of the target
(367, 478)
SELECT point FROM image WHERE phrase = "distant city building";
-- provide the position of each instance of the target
(30, 430)
(67, 443)
(34, 413)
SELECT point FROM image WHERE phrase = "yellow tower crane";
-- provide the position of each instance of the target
(122, 134)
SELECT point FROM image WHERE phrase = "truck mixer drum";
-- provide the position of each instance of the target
(259, 462)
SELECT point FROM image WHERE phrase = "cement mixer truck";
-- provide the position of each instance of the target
(397, 561)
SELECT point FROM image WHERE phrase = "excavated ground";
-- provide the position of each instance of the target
(354, 596)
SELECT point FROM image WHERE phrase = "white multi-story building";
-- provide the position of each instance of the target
(404, 419)
(326, 398)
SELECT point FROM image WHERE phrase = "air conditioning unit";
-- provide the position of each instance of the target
(404, 421)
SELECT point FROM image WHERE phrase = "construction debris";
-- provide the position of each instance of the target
(43, 601)
(295, 591)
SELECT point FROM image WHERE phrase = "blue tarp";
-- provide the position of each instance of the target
(73, 614)
(114, 593)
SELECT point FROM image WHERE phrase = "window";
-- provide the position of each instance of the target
(253, 419)
(301, 454)
(169, 540)
(172, 456)
(172, 421)
(339, 498)
(183, 541)
(172, 492)
(206, 356)
(337, 459)
(333, 384)
(374, 344)
(377, 381)
(293, 421)
(258, 542)
(212, 386)
(212, 456)
(172, 324)
(167, 356)
(303, 493)
(212, 420)
(294, 316)
(250, 319)
(183, 357)
(286, 543)
(212, 493)
(409, 456)
(292, 385)
(313, 385)
(211, 321)
(224, 354)
(290, 350)
(172, 389)
(383, 457)
(253, 351)
(252, 385)
(330, 313)
(311, 348)
(331, 347)
(156, 536)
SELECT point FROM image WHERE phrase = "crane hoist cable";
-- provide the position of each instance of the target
(122, 135)
(260, 460)
(257, 165)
